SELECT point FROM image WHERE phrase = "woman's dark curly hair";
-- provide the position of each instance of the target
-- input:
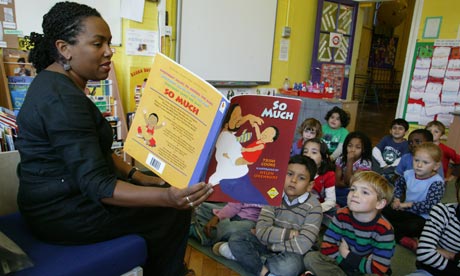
(63, 21)
(344, 116)
(366, 153)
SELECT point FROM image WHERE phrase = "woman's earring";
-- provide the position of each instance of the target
(67, 66)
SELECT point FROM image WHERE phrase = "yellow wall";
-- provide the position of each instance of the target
(301, 19)
(448, 9)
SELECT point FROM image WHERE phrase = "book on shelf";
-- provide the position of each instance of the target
(18, 86)
(187, 131)
(101, 93)
(8, 129)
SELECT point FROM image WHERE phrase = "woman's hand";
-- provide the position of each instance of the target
(189, 197)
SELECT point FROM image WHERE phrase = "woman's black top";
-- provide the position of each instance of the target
(65, 147)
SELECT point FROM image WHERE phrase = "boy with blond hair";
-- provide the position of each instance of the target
(359, 239)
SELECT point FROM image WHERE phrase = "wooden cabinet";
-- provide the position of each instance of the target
(453, 138)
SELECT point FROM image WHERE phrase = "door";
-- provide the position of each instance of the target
(333, 43)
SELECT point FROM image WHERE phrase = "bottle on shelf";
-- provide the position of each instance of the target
(286, 84)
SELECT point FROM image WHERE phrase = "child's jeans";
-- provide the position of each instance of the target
(224, 229)
(320, 264)
(251, 254)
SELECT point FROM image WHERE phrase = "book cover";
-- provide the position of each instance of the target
(176, 124)
(251, 155)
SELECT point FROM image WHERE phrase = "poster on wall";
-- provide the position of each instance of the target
(141, 42)
(383, 51)
(137, 80)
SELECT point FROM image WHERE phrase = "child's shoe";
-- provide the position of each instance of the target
(307, 273)
(222, 249)
(409, 243)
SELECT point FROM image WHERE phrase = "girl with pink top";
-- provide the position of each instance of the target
(214, 222)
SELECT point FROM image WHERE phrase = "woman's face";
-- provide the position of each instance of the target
(90, 55)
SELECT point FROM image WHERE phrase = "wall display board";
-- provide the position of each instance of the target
(227, 40)
(435, 80)
(334, 75)
(30, 15)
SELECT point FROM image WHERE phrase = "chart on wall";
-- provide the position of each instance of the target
(434, 88)
(334, 75)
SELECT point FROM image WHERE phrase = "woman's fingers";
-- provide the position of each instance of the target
(190, 197)
(198, 193)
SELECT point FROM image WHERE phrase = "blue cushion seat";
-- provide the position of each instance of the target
(112, 257)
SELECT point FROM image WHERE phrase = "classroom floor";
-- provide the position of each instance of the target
(375, 122)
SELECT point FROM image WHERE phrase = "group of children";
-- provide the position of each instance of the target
(371, 199)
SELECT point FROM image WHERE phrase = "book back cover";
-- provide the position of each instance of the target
(176, 123)
(252, 151)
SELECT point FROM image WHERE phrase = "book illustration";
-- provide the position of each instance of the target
(251, 153)
(147, 131)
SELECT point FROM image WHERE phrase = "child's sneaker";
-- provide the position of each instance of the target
(222, 249)
(409, 243)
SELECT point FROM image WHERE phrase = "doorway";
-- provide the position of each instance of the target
(380, 63)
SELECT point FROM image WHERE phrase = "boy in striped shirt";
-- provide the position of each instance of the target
(359, 239)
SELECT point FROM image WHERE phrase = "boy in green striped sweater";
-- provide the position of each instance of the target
(359, 239)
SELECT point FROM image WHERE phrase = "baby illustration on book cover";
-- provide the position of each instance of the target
(151, 124)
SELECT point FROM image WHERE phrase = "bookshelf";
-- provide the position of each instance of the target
(118, 110)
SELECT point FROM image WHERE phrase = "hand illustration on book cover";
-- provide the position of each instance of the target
(151, 124)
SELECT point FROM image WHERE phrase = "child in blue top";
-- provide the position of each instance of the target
(415, 193)
(334, 132)
(356, 156)
(387, 154)
(416, 137)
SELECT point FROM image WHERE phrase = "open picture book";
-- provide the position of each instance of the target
(187, 131)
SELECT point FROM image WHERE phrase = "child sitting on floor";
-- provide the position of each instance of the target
(214, 222)
(283, 234)
(324, 187)
(334, 132)
(310, 128)
(359, 239)
(448, 154)
(356, 156)
(416, 137)
(416, 192)
(387, 154)
(438, 251)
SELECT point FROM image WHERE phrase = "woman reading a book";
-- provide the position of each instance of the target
(71, 188)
